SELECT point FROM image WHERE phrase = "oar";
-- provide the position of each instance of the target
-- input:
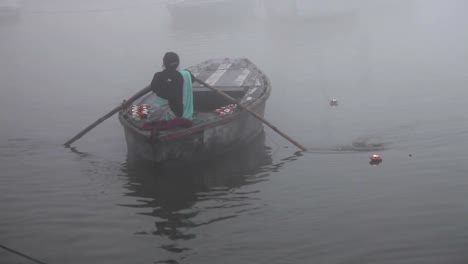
(21, 254)
(111, 113)
(251, 112)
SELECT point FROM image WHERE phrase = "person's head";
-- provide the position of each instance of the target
(171, 60)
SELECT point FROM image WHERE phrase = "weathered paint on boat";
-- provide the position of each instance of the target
(212, 135)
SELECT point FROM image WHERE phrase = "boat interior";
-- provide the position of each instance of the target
(238, 78)
(205, 102)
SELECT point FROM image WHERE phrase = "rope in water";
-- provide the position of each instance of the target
(21, 254)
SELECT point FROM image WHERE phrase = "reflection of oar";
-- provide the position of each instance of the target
(348, 149)
(111, 113)
(251, 112)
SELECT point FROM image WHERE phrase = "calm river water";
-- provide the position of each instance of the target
(399, 70)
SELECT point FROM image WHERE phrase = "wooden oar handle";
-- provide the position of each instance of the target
(106, 116)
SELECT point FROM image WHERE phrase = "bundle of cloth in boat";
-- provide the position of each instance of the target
(139, 112)
(226, 110)
(149, 117)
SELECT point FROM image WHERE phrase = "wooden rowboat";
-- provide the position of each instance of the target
(212, 133)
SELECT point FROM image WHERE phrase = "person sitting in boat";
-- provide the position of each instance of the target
(173, 89)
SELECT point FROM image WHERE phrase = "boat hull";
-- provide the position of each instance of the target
(205, 144)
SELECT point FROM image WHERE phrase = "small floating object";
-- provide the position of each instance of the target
(334, 102)
(375, 159)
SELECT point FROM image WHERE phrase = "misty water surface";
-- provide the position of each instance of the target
(397, 68)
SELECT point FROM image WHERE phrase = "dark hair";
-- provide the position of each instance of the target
(171, 60)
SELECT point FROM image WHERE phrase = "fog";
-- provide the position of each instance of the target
(398, 68)
(400, 61)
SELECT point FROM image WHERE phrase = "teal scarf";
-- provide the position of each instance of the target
(188, 95)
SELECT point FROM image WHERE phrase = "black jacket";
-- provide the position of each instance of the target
(169, 84)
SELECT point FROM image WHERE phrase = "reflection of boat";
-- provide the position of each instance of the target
(169, 193)
(212, 133)
(229, 170)
(184, 200)
(204, 9)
